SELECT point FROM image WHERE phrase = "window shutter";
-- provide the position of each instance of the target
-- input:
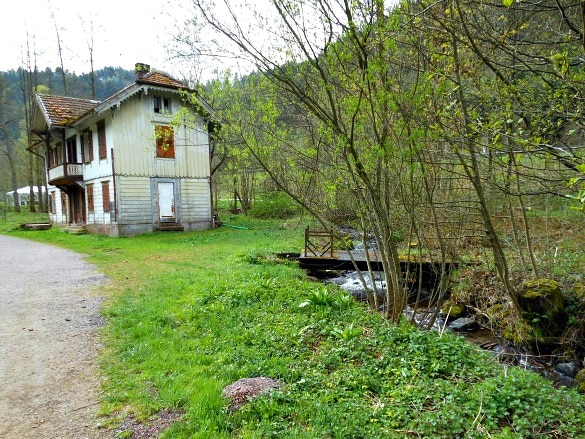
(90, 205)
(101, 127)
(106, 195)
(87, 145)
(90, 146)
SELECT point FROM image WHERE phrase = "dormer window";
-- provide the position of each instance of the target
(161, 105)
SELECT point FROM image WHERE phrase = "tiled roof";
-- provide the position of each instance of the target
(62, 110)
(157, 78)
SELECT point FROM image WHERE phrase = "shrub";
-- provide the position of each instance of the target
(274, 205)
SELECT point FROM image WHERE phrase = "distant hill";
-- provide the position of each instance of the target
(108, 81)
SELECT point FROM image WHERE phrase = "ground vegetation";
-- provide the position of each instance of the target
(435, 127)
(217, 306)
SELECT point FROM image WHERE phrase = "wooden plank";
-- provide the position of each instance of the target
(341, 260)
(359, 255)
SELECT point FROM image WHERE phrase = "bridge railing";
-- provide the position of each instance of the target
(318, 243)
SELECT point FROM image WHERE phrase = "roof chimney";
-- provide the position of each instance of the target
(141, 69)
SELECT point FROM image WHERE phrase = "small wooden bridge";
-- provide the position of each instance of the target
(319, 254)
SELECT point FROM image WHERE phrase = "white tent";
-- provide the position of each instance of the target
(23, 195)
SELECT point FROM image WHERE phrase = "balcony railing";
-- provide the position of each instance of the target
(66, 173)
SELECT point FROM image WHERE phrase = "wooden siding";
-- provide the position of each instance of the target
(195, 200)
(134, 142)
(98, 168)
(134, 200)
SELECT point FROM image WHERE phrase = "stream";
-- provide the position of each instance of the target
(482, 337)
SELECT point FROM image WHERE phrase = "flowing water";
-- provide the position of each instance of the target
(483, 337)
(502, 350)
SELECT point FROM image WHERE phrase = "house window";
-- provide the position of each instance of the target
(87, 146)
(106, 195)
(161, 105)
(52, 202)
(101, 127)
(165, 141)
(55, 155)
(89, 191)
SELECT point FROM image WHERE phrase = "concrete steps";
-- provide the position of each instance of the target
(75, 229)
(170, 227)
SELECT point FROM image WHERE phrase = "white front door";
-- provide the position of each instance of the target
(166, 202)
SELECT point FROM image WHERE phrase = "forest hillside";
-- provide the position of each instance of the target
(13, 84)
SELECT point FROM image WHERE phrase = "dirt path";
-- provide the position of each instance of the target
(49, 315)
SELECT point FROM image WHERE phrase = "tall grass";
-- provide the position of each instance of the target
(192, 312)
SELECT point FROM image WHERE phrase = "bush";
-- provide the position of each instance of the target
(274, 205)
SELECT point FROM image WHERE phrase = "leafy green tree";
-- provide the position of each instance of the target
(9, 135)
(324, 120)
(421, 121)
(507, 101)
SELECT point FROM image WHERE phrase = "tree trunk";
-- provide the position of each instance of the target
(31, 184)
(471, 168)
(14, 177)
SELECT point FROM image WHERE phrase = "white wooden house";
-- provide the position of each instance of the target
(137, 162)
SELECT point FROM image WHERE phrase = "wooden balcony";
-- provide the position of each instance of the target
(65, 173)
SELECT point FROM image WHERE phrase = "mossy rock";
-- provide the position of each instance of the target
(509, 325)
(580, 381)
(543, 305)
(454, 309)
(497, 312)
(537, 291)
(518, 332)
(579, 291)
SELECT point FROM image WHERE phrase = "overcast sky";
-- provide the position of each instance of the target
(125, 32)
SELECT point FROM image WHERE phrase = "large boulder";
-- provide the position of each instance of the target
(543, 306)
(463, 324)
(569, 369)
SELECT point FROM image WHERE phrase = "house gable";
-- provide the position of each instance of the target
(63, 111)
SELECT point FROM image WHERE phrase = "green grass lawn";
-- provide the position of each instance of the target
(189, 313)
